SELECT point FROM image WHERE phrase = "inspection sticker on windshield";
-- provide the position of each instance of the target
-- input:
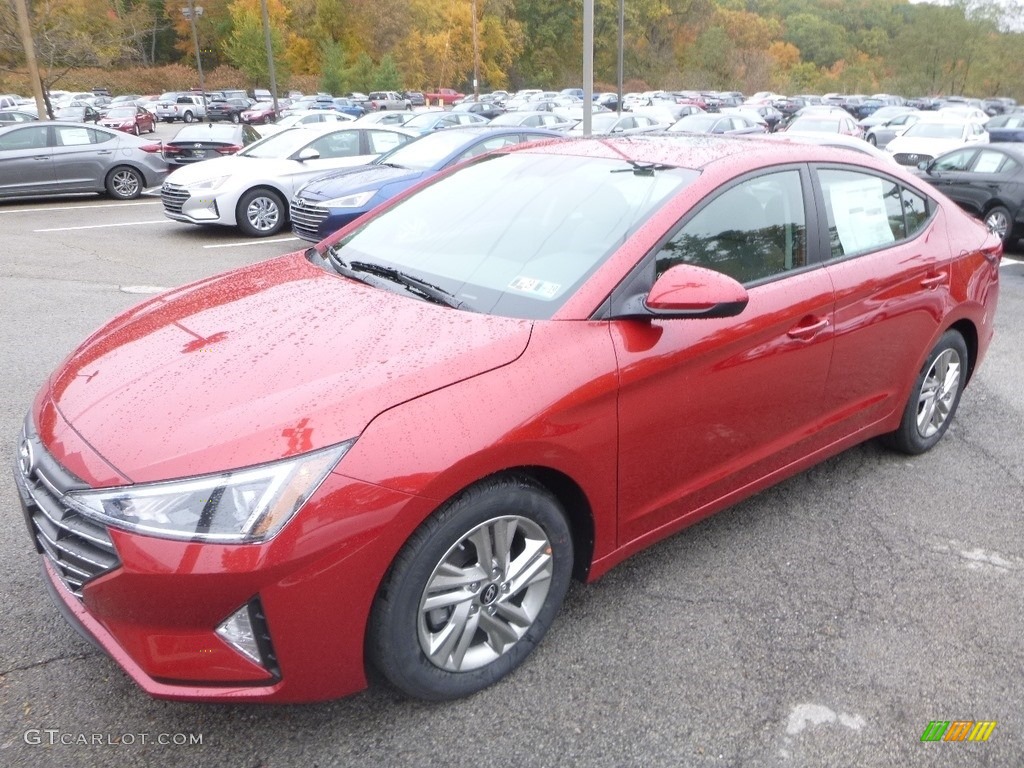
(534, 286)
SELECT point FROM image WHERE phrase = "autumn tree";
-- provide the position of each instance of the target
(245, 48)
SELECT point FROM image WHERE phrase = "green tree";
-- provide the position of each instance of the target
(820, 41)
(387, 77)
(360, 75)
(334, 74)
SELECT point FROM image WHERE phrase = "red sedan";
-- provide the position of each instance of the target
(398, 447)
(130, 119)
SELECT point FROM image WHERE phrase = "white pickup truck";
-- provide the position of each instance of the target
(186, 107)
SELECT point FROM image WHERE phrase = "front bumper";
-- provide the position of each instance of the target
(181, 205)
(156, 608)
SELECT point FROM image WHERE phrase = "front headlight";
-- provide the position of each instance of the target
(357, 200)
(243, 505)
(209, 184)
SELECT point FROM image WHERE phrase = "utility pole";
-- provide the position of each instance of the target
(30, 56)
(476, 57)
(270, 53)
(191, 13)
(622, 38)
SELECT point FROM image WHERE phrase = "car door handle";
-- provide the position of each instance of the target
(41, 157)
(934, 280)
(808, 330)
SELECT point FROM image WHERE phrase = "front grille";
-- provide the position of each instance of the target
(911, 158)
(307, 218)
(79, 548)
(174, 196)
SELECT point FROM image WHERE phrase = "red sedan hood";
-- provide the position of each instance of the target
(265, 362)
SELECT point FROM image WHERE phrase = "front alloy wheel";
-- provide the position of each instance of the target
(485, 593)
(473, 590)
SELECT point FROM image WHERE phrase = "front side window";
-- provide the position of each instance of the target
(338, 144)
(33, 137)
(866, 212)
(752, 231)
(955, 161)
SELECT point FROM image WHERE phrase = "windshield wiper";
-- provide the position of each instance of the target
(643, 168)
(358, 270)
(412, 284)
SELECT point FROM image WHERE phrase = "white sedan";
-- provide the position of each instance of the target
(251, 189)
(305, 117)
(932, 135)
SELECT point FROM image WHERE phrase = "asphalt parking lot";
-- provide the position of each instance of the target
(825, 622)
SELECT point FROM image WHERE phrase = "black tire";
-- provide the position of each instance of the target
(188, 117)
(519, 530)
(872, 140)
(934, 397)
(137, 130)
(235, 118)
(261, 212)
(1000, 221)
(124, 183)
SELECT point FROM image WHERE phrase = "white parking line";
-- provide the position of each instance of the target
(102, 226)
(250, 242)
(75, 208)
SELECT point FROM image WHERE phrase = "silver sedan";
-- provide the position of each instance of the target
(56, 158)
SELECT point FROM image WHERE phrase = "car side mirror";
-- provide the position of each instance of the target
(307, 154)
(925, 165)
(686, 291)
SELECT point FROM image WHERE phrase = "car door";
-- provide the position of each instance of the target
(707, 406)
(338, 149)
(82, 156)
(26, 161)
(889, 262)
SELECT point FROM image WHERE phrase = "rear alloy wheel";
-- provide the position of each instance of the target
(235, 118)
(935, 396)
(124, 183)
(261, 212)
(188, 117)
(473, 591)
(1000, 222)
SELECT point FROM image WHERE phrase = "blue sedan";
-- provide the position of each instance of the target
(328, 203)
(1006, 127)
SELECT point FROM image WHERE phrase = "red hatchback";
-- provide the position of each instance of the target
(397, 448)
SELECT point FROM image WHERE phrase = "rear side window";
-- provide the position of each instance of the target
(867, 212)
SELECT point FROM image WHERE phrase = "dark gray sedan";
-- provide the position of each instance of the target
(56, 158)
(731, 124)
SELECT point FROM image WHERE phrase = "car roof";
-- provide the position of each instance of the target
(694, 151)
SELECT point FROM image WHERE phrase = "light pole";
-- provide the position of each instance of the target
(588, 65)
(192, 13)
